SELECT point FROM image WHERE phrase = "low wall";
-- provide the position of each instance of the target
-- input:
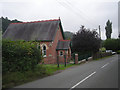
(100, 55)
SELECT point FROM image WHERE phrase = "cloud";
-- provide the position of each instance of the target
(73, 13)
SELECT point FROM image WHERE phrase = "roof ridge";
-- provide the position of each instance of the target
(37, 21)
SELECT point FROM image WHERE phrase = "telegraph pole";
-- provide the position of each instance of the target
(100, 39)
(65, 58)
(99, 32)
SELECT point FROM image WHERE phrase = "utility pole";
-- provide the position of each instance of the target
(57, 59)
(100, 43)
(99, 32)
(65, 58)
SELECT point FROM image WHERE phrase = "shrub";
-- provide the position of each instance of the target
(86, 40)
(112, 44)
(118, 52)
(103, 49)
(12, 79)
(19, 56)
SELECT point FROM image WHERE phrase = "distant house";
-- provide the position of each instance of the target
(48, 32)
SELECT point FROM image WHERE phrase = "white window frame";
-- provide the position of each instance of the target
(60, 53)
(44, 51)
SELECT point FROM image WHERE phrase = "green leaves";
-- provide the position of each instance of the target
(6, 22)
(19, 56)
(86, 41)
(112, 44)
(108, 28)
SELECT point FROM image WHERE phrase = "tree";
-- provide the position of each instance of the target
(86, 41)
(108, 29)
(6, 22)
(68, 35)
(112, 44)
(119, 36)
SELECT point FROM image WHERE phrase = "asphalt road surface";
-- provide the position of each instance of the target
(101, 73)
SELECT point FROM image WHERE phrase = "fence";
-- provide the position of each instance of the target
(81, 56)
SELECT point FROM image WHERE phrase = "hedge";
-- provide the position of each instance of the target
(19, 56)
(112, 44)
(118, 52)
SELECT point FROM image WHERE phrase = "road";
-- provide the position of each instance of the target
(101, 73)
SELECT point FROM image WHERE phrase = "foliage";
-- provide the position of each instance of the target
(16, 78)
(108, 29)
(12, 79)
(82, 55)
(6, 22)
(86, 41)
(103, 49)
(118, 52)
(19, 56)
(112, 44)
(0, 39)
(119, 36)
(68, 35)
(102, 43)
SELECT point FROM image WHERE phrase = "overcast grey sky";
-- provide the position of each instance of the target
(73, 13)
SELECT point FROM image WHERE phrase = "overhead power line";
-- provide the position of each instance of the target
(68, 5)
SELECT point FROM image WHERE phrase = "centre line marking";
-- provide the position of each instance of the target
(83, 80)
(104, 65)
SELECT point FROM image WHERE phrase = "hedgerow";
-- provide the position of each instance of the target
(19, 56)
(112, 44)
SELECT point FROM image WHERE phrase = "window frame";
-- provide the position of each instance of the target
(44, 52)
(61, 53)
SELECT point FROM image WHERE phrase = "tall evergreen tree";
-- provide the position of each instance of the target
(108, 29)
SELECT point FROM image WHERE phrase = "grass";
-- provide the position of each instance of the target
(13, 79)
(50, 69)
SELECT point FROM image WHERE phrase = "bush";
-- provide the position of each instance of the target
(112, 44)
(86, 40)
(118, 52)
(103, 49)
(12, 79)
(19, 56)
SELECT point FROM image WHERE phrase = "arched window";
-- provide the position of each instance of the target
(44, 50)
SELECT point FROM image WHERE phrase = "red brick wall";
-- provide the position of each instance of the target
(61, 58)
(68, 56)
(51, 55)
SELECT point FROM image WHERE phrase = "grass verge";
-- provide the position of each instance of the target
(13, 79)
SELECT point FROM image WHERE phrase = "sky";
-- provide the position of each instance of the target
(73, 13)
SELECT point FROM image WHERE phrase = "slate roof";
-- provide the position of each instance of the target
(63, 45)
(38, 30)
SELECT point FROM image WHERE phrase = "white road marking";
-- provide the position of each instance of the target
(104, 65)
(82, 80)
